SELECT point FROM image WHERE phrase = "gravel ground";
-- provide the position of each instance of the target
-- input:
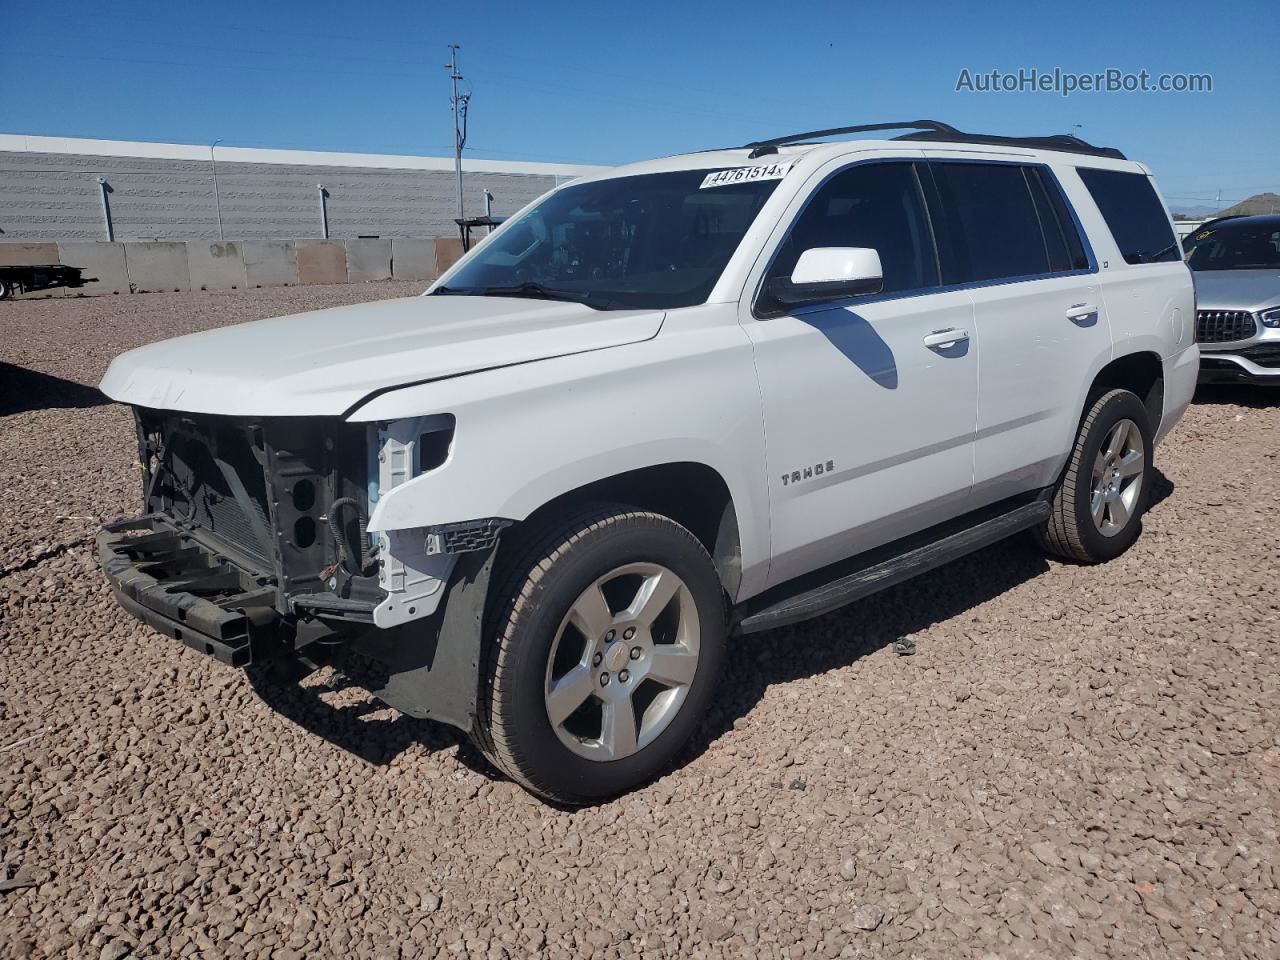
(1077, 763)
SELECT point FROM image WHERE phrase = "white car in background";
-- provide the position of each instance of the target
(675, 402)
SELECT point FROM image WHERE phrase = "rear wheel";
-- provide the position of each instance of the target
(603, 655)
(1098, 503)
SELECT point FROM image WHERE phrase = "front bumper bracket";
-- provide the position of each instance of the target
(187, 591)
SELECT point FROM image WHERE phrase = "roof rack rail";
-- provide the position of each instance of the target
(762, 147)
(939, 132)
(1064, 142)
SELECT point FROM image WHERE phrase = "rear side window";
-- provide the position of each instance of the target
(877, 205)
(990, 222)
(1061, 236)
(1134, 214)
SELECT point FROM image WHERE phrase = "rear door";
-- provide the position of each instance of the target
(869, 411)
(1008, 236)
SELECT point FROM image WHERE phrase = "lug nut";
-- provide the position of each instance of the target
(624, 675)
(595, 661)
(629, 633)
(604, 679)
(636, 653)
(608, 637)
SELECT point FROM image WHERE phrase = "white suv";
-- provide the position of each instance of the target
(665, 405)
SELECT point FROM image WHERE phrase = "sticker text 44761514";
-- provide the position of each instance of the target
(763, 171)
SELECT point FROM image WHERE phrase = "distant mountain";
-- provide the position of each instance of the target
(1258, 203)
(1194, 212)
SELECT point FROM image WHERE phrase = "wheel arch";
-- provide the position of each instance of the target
(691, 493)
(1141, 373)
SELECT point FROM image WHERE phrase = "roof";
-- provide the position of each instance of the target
(814, 154)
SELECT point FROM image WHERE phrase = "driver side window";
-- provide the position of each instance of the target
(877, 205)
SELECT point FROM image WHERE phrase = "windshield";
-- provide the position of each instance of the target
(1237, 246)
(655, 241)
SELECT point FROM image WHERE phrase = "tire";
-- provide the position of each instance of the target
(549, 642)
(6, 289)
(1108, 478)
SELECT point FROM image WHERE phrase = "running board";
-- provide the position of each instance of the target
(864, 581)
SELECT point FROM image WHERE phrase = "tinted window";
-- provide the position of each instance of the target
(991, 221)
(1061, 236)
(1239, 245)
(1134, 214)
(654, 241)
(872, 205)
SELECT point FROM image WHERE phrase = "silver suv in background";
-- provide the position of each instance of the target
(1236, 265)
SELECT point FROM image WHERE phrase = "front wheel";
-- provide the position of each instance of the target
(1099, 502)
(604, 647)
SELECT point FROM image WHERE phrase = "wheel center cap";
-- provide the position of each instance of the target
(616, 657)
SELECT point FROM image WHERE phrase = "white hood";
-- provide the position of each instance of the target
(326, 362)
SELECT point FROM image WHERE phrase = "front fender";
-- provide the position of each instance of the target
(529, 434)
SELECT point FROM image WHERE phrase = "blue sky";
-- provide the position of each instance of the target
(596, 82)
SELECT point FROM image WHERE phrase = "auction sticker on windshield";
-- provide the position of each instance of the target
(764, 171)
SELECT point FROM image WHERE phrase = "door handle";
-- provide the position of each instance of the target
(946, 338)
(1080, 312)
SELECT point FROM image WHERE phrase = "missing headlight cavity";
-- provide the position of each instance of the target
(304, 495)
(304, 532)
(433, 448)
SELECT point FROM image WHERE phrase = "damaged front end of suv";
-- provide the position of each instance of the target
(253, 545)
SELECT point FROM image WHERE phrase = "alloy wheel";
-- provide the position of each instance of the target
(622, 662)
(1118, 473)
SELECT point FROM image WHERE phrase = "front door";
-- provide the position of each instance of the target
(870, 403)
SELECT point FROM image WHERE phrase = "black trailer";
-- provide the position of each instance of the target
(40, 276)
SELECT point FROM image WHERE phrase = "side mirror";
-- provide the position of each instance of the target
(824, 274)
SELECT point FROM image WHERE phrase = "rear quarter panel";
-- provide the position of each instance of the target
(1150, 306)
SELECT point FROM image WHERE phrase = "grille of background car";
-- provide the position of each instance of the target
(1224, 326)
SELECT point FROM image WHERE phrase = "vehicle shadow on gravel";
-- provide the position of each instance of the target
(840, 639)
(355, 727)
(23, 390)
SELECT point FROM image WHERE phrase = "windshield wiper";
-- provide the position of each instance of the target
(529, 290)
(536, 291)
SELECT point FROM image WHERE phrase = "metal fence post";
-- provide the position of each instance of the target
(217, 198)
(324, 212)
(105, 188)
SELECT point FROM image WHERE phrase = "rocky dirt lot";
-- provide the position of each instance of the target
(1076, 763)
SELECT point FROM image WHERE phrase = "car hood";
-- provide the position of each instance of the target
(326, 362)
(1237, 289)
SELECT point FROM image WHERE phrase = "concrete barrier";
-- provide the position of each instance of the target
(157, 266)
(448, 252)
(215, 266)
(102, 261)
(27, 254)
(270, 263)
(160, 266)
(322, 261)
(368, 259)
(413, 259)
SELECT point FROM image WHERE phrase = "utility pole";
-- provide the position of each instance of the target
(460, 103)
